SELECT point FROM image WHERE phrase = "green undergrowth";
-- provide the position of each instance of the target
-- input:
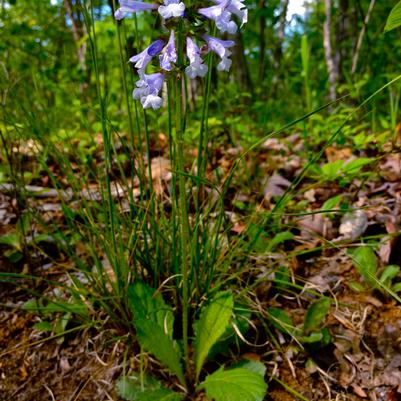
(163, 233)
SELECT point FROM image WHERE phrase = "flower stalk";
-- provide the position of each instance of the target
(179, 53)
(183, 205)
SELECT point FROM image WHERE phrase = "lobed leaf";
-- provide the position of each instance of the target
(131, 389)
(238, 384)
(153, 320)
(154, 340)
(211, 326)
(394, 19)
(279, 239)
(365, 262)
(389, 273)
(316, 314)
(144, 304)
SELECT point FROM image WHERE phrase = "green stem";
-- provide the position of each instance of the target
(124, 81)
(201, 166)
(204, 131)
(183, 212)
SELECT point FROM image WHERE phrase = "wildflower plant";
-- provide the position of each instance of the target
(179, 54)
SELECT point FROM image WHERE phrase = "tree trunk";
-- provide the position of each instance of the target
(278, 51)
(242, 70)
(262, 41)
(332, 68)
(78, 32)
(361, 36)
(342, 36)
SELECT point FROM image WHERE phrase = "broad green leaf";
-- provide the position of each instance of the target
(252, 366)
(37, 239)
(332, 202)
(281, 321)
(230, 336)
(10, 240)
(316, 314)
(365, 262)
(311, 338)
(394, 19)
(153, 321)
(389, 273)
(279, 239)
(48, 307)
(317, 339)
(61, 323)
(237, 384)
(331, 170)
(43, 326)
(355, 165)
(14, 256)
(154, 339)
(211, 325)
(356, 287)
(146, 304)
(326, 340)
(130, 388)
(62, 306)
(33, 305)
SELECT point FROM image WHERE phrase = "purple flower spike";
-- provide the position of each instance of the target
(172, 8)
(142, 59)
(132, 6)
(214, 12)
(221, 13)
(224, 23)
(196, 67)
(147, 90)
(169, 55)
(238, 8)
(220, 47)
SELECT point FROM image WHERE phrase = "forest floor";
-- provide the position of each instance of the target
(362, 360)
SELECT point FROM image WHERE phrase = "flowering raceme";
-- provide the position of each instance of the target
(147, 90)
(190, 25)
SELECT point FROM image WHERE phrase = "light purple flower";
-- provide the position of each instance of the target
(220, 47)
(147, 90)
(221, 13)
(238, 8)
(132, 6)
(153, 101)
(142, 59)
(172, 8)
(169, 54)
(214, 12)
(196, 67)
(224, 23)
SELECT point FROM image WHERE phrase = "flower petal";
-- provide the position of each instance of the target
(172, 10)
(142, 59)
(132, 6)
(169, 55)
(151, 101)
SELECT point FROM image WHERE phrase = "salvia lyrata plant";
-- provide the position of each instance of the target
(190, 22)
(189, 37)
